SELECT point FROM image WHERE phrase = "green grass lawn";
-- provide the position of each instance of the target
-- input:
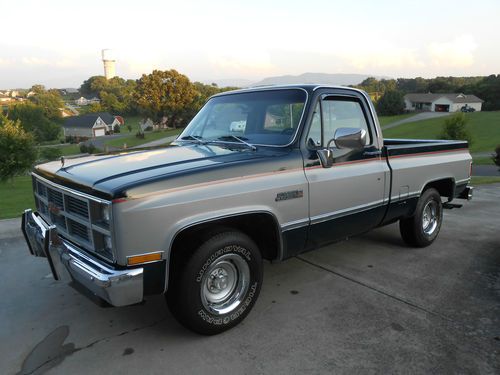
(131, 140)
(17, 195)
(480, 160)
(386, 120)
(484, 127)
(67, 150)
(483, 180)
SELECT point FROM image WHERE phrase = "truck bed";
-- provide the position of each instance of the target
(418, 163)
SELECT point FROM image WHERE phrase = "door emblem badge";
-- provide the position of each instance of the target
(289, 195)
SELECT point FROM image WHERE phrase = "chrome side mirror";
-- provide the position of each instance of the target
(351, 138)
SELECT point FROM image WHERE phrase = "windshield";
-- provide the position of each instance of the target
(259, 117)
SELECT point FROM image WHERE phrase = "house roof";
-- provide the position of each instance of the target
(430, 97)
(88, 120)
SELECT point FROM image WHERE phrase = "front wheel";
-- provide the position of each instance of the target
(218, 285)
(423, 227)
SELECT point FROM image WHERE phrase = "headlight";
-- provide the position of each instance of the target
(106, 213)
(107, 242)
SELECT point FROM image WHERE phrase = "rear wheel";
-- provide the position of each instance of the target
(423, 227)
(218, 285)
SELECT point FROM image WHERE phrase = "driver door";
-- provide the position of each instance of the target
(347, 198)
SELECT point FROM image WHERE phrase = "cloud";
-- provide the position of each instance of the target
(248, 61)
(56, 63)
(458, 53)
(380, 56)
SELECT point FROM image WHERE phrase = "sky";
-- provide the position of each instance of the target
(59, 43)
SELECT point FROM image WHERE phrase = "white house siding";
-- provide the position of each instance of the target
(409, 105)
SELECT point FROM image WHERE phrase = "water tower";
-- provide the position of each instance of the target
(108, 59)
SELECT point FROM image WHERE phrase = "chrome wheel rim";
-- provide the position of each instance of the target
(430, 217)
(224, 284)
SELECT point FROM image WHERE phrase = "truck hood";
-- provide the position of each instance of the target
(110, 173)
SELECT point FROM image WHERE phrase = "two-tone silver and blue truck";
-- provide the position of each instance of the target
(258, 174)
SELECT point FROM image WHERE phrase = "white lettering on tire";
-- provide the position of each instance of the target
(215, 320)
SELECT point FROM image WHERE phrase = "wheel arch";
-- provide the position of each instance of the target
(261, 226)
(444, 186)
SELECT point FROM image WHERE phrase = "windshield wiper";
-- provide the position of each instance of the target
(231, 136)
(199, 140)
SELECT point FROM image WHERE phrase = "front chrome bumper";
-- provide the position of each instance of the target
(68, 263)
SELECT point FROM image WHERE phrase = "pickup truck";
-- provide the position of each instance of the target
(258, 174)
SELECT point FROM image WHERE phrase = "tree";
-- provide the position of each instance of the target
(165, 93)
(116, 94)
(50, 101)
(33, 120)
(455, 128)
(94, 108)
(391, 103)
(17, 149)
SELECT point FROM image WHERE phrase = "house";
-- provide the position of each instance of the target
(68, 91)
(441, 102)
(146, 124)
(4, 98)
(90, 125)
(82, 100)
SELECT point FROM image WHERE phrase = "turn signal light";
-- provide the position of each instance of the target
(138, 259)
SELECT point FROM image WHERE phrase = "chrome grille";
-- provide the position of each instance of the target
(78, 230)
(55, 197)
(77, 216)
(78, 206)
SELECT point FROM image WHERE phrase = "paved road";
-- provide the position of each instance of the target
(367, 305)
(418, 117)
(485, 170)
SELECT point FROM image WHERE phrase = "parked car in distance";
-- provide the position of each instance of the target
(466, 108)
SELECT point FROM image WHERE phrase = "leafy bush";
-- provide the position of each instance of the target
(455, 128)
(139, 135)
(88, 148)
(116, 128)
(496, 156)
(50, 153)
(129, 127)
(17, 149)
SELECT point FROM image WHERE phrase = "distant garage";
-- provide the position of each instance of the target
(442, 102)
(441, 108)
(99, 132)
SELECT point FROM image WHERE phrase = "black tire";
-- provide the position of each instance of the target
(420, 230)
(227, 263)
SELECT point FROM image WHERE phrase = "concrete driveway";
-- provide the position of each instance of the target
(366, 305)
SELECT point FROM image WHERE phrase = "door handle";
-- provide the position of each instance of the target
(372, 153)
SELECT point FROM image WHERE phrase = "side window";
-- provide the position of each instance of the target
(336, 113)
(342, 114)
